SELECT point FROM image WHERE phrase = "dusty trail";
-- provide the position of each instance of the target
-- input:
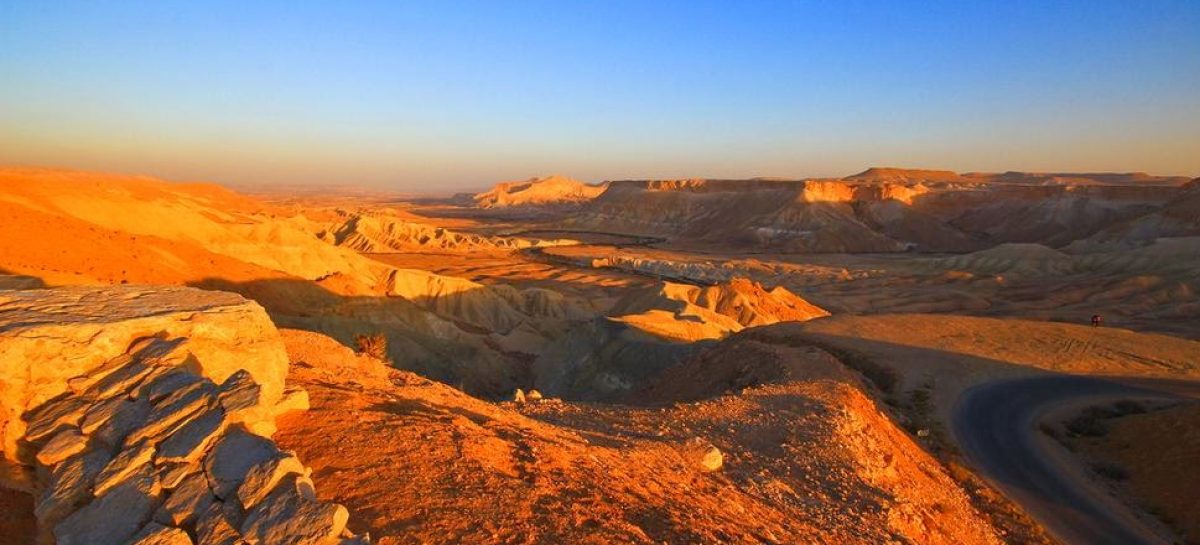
(996, 426)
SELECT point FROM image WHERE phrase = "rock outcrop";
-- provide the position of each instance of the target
(144, 415)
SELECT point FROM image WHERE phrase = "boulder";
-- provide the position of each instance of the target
(261, 479)
(50, 336)
(291, 515)
(232, 458)
(702, 454)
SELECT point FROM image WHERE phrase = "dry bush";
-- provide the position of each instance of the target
(374, 345)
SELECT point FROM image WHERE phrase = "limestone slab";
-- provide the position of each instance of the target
(126, 463)
(218, 526)
(157, 534)
(262, 478)
(169, 383)
(54, 415)
(114, 517)
(186, 502)
(65, 444)
(70, 485)
(189, 443)
(239, 392)
(173, 412)
(232, 457)
(290, 516)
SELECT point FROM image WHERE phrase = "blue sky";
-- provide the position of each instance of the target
(431, 96)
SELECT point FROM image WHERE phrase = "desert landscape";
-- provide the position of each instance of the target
(551, 361)
(599, 273)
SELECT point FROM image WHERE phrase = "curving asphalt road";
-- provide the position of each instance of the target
(995, 425)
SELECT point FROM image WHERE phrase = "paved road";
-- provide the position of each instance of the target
(995, 424)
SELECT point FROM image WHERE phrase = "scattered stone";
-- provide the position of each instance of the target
(189, 443)
(519, 396)
(113, 517)
(290, 515)
(66, 444)
(187, 502)
(157, 534)
(703, 454)
(534, 395)
(127, 462)
(232, 457)
(263, 477)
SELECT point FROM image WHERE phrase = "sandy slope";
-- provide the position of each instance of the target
(805, 461)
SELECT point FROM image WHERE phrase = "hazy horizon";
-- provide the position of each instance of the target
(420, 98)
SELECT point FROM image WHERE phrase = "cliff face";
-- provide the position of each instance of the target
(884, 210)
(144, 414)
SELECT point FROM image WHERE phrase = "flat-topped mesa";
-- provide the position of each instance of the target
(143, 414)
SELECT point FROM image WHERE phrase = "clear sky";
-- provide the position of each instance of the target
(434, 96)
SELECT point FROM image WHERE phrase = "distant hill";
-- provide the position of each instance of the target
(552, 190)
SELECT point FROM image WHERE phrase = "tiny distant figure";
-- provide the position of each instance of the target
(1097, 320)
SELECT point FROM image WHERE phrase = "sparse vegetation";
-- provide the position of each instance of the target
(374, 345)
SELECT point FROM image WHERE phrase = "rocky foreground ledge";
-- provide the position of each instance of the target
(143, 415)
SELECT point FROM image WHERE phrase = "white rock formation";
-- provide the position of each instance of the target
(143, 415)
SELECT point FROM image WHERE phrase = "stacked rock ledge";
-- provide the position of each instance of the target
(143, 415)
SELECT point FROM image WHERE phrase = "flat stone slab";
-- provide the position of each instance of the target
(232, 457)
(157, 534)
(114, 517)
(123, 465)
(70, 485)
(189, 443)
(261, 479)
(218, 526)
(173, 412)
(187, 502)
(290, 515)
(54, 415)
(66, 444)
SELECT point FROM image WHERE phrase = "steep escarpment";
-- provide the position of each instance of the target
(144, 415)
(885, 210)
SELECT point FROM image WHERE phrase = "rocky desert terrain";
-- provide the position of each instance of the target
(634, 361)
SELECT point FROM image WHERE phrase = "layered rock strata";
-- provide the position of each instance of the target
(143, 416)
